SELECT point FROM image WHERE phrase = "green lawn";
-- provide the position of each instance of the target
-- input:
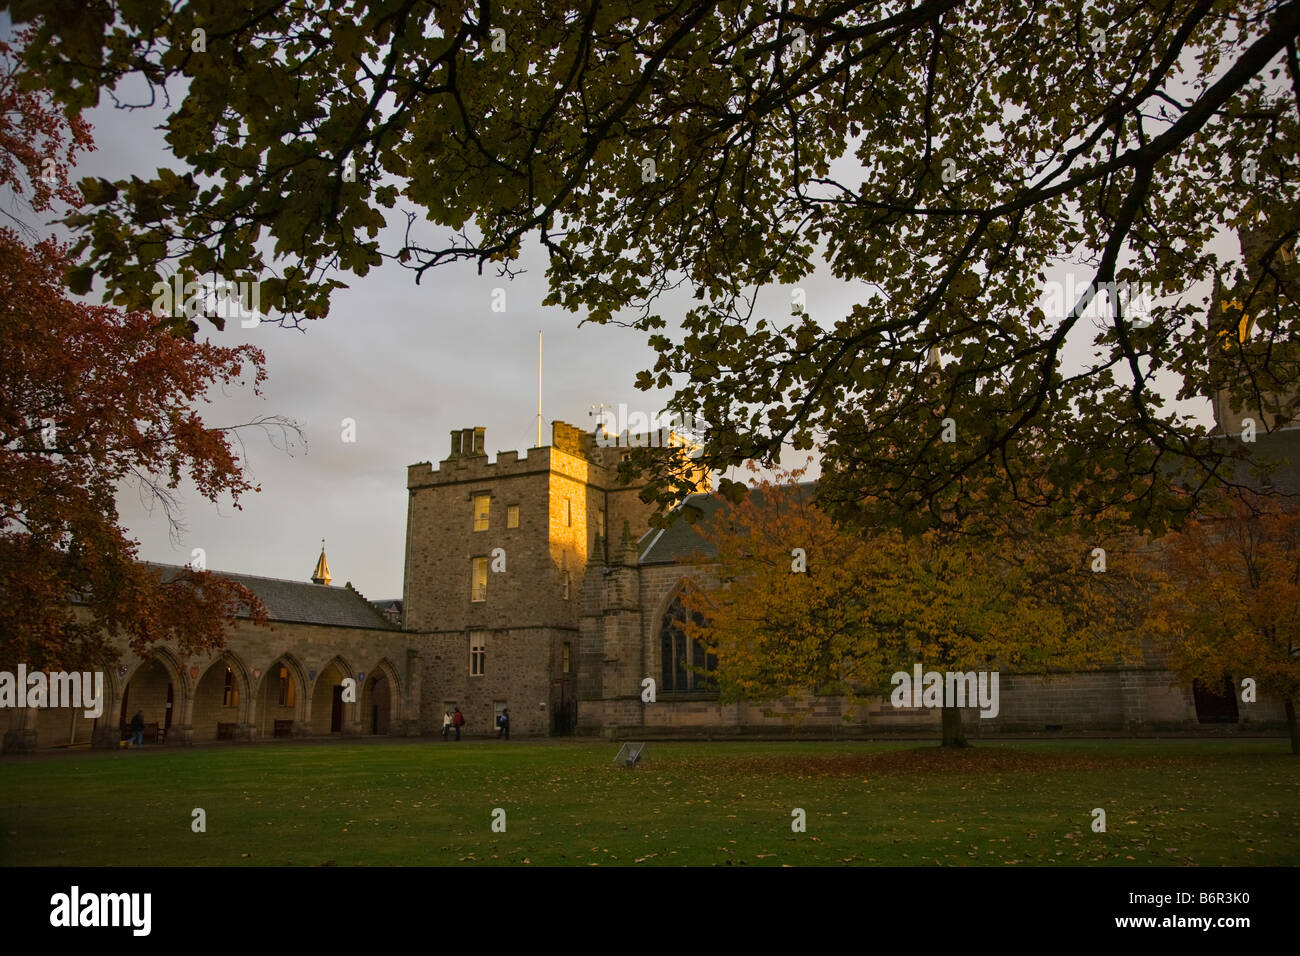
(1172, 802)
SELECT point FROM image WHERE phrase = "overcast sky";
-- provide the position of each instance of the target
(408, 363)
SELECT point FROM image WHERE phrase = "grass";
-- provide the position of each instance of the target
(1170, 803)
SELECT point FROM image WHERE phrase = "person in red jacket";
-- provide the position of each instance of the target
(458, 721)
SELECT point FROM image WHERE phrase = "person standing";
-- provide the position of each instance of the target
(446, 724)
(503, 724)
(458, 721)
(137, 729)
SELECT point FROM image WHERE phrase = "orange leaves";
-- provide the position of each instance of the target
(38, 145)
(1231, 600)
(90, 397)
(807, 604)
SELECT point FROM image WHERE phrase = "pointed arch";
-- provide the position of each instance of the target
(281, 697)
(329, 712)
(223, 698)
(381, 698)
(158, 687)
(340, 663)
(684, 665)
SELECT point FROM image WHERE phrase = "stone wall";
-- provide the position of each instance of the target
(1110, 701)
(517, 672)
(253, 655)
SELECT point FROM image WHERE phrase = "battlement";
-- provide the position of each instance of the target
(587, 456)
(468, 459)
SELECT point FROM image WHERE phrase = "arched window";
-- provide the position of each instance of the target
(286, 687)
(230, 695)
(685, 668)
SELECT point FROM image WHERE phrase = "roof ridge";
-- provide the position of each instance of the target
(380, 615)
(245, 574)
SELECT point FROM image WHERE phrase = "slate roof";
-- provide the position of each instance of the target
(301, 602)
(681, 538)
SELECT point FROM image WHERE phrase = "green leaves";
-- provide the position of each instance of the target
(98, 191)
(1060, 156)
(80, 279)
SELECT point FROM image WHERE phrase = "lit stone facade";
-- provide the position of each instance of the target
(536, 523)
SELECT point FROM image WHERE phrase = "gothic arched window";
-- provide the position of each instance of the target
(687, 666)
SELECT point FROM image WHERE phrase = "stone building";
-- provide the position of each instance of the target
(497, 553)
(536, 583)
(632, 629)
(289, 678)
(631, 611)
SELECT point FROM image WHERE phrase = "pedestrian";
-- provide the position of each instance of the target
(446, 724)
(458, 721)
(503, 724)
(137, 729)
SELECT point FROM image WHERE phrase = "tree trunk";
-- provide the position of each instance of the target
(954, 736)
(1293, 725)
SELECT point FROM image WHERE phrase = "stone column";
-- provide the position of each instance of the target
(411, 699)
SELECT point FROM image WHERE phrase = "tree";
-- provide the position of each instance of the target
(1230, 602)
(90, 396)
(940, 155)
(801, 603)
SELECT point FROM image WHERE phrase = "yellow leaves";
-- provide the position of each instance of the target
(861, 607)
(1231, 602)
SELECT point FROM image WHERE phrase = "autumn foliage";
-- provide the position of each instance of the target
(873, 604)
(1230, 602)
(91, 398)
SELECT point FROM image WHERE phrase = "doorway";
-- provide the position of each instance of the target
(1215, 704)
(380, 704)
(336, 710)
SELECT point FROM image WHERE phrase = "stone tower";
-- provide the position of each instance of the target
(612, 658)
(1234, 320)
(497, 553)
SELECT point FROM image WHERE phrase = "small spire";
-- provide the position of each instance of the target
(322, 573)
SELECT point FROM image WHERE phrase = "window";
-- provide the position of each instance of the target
(566, 584)
(477, 654)
(230, 697)
(686, 666)
(478, 586)
(512, 516)
(566, 657)
(482, 504)
(286, 688)
(568, 513)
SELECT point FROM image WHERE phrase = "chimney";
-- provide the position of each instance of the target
(455, 444)
(479, 434)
